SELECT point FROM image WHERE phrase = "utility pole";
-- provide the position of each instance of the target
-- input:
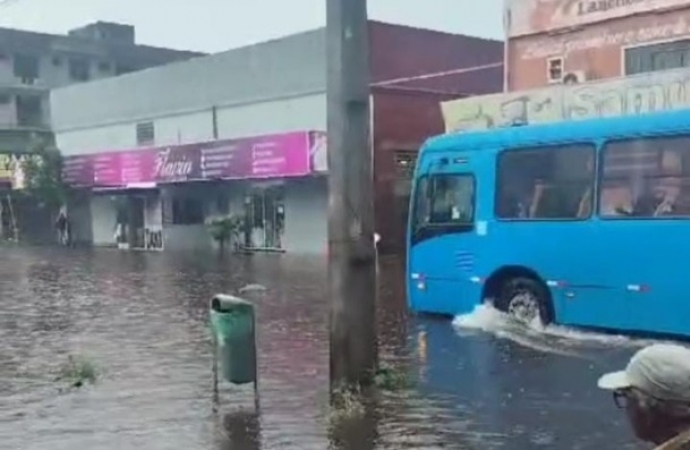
(352, 256)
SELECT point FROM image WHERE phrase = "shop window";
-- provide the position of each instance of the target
(146, 134)
(26, 68)
(187, 211)
(545, 183)
(554, 68)
(79, 69)
(646, 178)
(655, 57)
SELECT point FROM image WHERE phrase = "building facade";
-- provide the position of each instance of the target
(33, 63)
(262, 95)
(582, 59)
(30, 65)
(551, 42)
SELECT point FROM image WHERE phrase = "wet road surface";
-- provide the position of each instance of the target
(142, 318)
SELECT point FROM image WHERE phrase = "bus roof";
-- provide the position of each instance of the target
(564, 131)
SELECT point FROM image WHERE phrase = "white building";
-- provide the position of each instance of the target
(267, 89)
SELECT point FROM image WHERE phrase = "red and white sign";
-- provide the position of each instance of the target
(525, 17)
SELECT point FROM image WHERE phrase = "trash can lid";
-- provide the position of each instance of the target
(227, 303)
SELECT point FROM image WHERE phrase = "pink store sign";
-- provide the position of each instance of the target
(273, 156)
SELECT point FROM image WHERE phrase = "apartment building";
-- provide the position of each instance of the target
(33, 63)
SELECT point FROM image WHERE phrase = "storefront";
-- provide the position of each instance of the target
(162, 198)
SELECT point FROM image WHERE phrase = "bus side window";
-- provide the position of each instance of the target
(648, 177)
(546, 183)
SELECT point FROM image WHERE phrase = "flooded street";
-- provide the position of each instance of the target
(142, 319)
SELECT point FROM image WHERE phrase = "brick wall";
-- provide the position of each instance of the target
(412, 72)
(597, 49)
(403, 120)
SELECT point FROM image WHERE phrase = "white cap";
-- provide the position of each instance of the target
(661, 371)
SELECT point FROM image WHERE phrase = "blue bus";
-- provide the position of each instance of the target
(582, 223)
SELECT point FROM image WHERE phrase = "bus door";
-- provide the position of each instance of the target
(441, 236)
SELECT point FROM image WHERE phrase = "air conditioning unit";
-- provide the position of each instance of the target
(575, 77)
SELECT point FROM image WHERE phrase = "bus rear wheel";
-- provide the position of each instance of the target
(526, 300)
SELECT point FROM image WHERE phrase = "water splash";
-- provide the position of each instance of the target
(549, 338)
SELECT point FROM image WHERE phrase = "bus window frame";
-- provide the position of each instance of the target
(593, 148)
(428, 231)
(601, 179)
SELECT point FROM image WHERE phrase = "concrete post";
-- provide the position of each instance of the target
(352, 256)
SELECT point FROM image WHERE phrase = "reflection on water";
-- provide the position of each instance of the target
(239, 431)
(143, 320)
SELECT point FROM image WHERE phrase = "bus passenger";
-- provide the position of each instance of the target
(654, 390)
(669, 192)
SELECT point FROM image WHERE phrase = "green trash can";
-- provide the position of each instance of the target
(233, 328)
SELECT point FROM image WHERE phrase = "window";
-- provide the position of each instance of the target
(402, 187)
(646, 178)
(545, 183)
(26, 68)
(554, 69)
(145, 133)
(57, 62)
(187, 211)
(5, 99)
(104, 66)
(444, 202)
(405, 163)
(29, 111)
(79, 69)
(651, 58)
(222, 204)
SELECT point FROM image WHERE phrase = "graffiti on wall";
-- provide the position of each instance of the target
(633, 95)
(538, 16)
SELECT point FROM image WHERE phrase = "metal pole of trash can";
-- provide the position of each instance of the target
(216, 395)
(257, 405)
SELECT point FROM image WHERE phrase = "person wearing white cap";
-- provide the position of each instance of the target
(654, 389)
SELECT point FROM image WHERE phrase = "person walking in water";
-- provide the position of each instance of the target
(654, 390)
(62, 225)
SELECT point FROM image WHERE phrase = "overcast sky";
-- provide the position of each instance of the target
(216, 25)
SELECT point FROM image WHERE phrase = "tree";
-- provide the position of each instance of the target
(43, 176)
(226, 229)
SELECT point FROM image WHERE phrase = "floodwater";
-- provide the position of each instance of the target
(142, 319)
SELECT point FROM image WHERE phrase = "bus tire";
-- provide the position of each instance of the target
(525, 299)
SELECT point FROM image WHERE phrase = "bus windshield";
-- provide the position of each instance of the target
(444, 201)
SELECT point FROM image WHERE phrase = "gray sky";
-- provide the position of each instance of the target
(216, 25)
